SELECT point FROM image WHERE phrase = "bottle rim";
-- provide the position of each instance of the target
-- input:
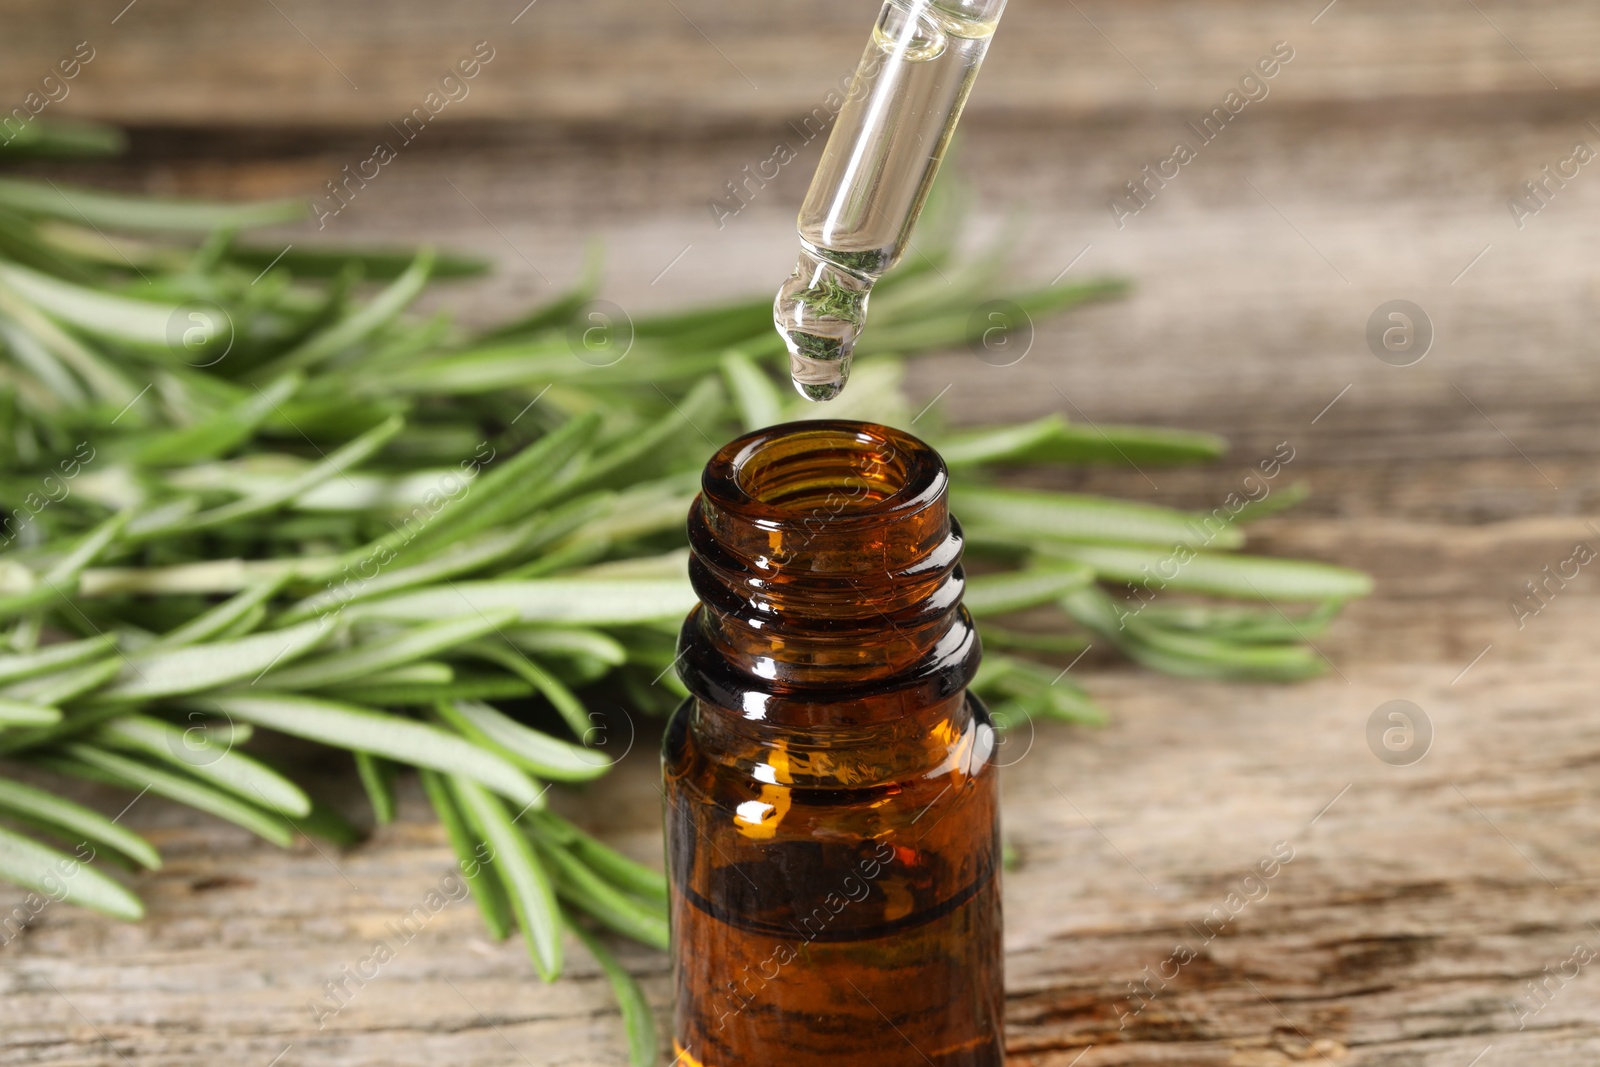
(832, 471)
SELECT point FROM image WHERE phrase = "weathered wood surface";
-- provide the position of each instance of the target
(296, 63)
(1420, 899)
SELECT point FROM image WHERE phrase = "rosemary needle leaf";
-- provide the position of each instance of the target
(60, 877)
(392, 736)
(97, 764)
(64, 685)
(24, 713)
(578, 601)
(512, 489)
(349, 455)
(46, 807)
(461, 559)
(545, 756)
(377, 264)
(684, 420)
(1185, 655)
(1205, 657)
(64, 138)
(64, 575)
(386, 651)
(377, 778)
(997, 444)
(224, 616)
(95, 311)
(425, 695)
(1026, 516)
(1052, 439)
(222, 432)
(754, 394)
(358, 326)
(116, 212)
(996, 594)
(211, 761)
(472, 857)
(53, 657)
(604, 860)
(636, 1018)
(569, 642)
(1246, 626)
(62, 578)
(582, 888)
(424, 672)
(560, 697)
(1242, 577)
(1280, 500)
(532, 896)
(163, 672)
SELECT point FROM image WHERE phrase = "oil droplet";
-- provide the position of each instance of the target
(820, 311)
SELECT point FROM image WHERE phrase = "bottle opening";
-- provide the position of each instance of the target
(824, 470)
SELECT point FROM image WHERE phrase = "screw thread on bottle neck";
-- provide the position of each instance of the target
(828, 569)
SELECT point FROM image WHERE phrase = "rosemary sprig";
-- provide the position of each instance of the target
(236, 501)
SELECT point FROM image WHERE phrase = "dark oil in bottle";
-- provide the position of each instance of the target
(832, 815)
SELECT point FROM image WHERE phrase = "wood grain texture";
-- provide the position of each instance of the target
(1420, 900)
(366, 62)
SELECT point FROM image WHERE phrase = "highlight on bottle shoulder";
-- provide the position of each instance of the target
(874, 177)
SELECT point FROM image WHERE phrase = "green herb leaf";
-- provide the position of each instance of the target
(996, 594)
(1243, 577)
(165, 672)
(753, 392)
(54, 657)
(99, 765)
(365, 730)
(387, 651)
(604, 860)
(222, 432)
(582, 888)
(142, 213)
(1025, 517)
(575, 601)
(23, 713)
(545, 756)
(357, 327)
(377, 778)
(472, 857)
(210, 761)
(60, 877)
(636, 1018)
(532, 896)
(46, 807)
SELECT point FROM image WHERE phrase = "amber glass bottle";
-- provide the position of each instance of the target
(832, 817)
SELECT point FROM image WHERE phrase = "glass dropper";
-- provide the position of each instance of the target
(876, 170)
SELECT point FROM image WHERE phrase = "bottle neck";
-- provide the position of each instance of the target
(828, 570)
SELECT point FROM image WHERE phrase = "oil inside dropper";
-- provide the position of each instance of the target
(874, 176)
(820, 311)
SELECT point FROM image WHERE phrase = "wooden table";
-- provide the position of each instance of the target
(1420, 901)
